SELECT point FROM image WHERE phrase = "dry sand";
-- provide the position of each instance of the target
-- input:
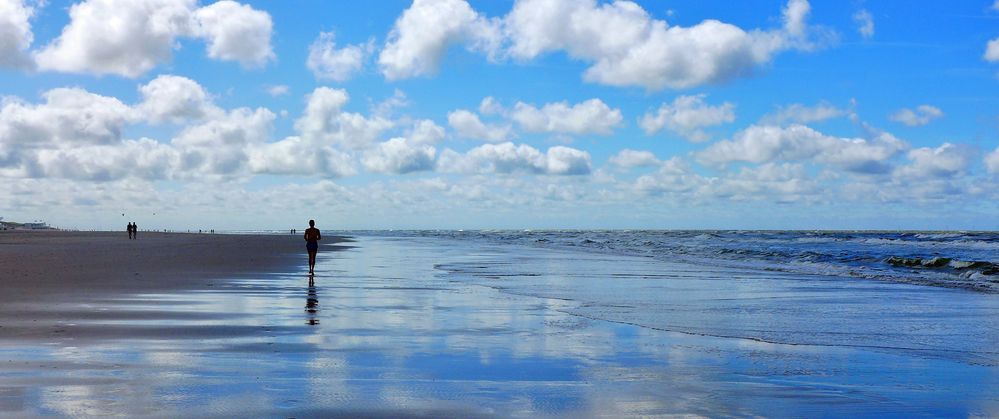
(41, 271)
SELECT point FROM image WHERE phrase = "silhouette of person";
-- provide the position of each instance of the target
(312, 238)
(129, 229)
(312, 303)
(135, 231)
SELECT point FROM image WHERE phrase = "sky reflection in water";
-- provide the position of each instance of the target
(512, 331)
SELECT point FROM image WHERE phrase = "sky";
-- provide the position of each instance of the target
(526, 114)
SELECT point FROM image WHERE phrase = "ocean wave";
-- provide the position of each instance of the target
(951, 259)
(976, 244)
(938, 236)
(982, 267)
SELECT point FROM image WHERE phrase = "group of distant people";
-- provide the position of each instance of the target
(312, 237)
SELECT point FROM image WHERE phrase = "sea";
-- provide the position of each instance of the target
(954, 259)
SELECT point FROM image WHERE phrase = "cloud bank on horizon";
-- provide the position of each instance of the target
(528, 114)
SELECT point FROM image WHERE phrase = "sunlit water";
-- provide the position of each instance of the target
(956, 259)
(455, 327)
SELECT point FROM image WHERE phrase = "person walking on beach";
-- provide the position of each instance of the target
(129, 229)
(312, 238)
(135, 231)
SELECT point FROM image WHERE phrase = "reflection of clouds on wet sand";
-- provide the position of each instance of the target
(98, 400)
(389, 332)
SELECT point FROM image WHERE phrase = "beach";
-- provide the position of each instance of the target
(46, 270)
(530, 209)
(414, 326)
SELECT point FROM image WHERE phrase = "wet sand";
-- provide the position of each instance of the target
(46, 272)
(424, 327)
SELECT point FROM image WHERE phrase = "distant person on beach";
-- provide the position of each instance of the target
(312, 238)
(135, 231)
(129, 229)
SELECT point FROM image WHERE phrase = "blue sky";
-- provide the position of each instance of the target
(526, 114)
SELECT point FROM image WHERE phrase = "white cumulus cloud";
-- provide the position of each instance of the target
(803, 114)
(922, 115)
(468, 125)
(131, 37)
(69, 117)
(399, 155)
(420, 36)
(75, 134)
(864, 22)
(592, 116)
(944, 161)
(324, 103)
(563, 160)
(674, 176)
(15, 34)
(510, 158)
(687, 116)
(626, 46)
(324, 120)
(144, 36)
(219, 146)
(630, 48)
(174, 99)
(297, 156)
(236, 32)
(388, 106)
(768, 143)
(777, 182)
(992, 161)
(329, 63)
(144, 159)
(238, 127)
(277, 90)
(425, 131)
(782, 182)
(992, 50)
(628, 158)
(490, 106)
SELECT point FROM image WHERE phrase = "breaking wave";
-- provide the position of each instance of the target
(948, 259)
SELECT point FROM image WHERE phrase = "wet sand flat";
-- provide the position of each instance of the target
(46, 273)
(413, 327)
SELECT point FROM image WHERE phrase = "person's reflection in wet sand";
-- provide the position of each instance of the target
(312, 303)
